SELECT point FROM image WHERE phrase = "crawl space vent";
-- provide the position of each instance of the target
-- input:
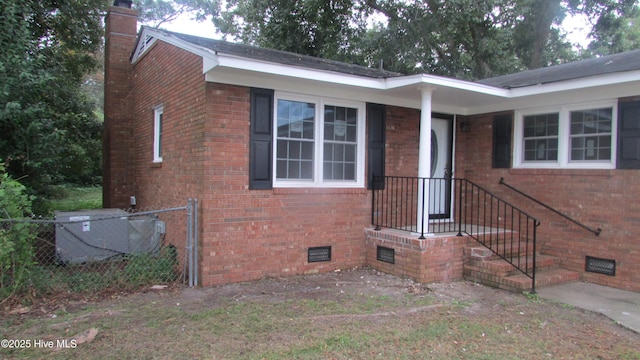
(386, 254)
(320, 253)
(601, 266)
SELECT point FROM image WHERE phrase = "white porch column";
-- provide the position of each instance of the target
(424, 158)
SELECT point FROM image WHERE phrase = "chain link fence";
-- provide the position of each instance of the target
(96, 251)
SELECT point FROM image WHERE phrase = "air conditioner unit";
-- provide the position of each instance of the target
(101, 234)
(145, 234)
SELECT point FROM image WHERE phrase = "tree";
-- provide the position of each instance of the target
(615, 25)
(467, 39)
(321, 28)
(50, 133)
(157, 12)
(534, 32)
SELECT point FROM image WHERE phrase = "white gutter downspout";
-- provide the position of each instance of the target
(424, 159)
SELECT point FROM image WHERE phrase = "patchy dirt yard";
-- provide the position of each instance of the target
(349, 314)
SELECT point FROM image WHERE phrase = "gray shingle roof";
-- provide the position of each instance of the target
(283, 57)
(622, 62)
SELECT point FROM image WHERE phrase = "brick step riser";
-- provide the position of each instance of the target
(500, 239)
(482, 252)
(520, 283)
(541, 281)
(503, 268)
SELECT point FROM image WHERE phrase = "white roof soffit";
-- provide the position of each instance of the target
(402, 91)
(413, 81)
(465, 96)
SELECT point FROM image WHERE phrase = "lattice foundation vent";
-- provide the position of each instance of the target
(386, 254)
(601, 266)
(320, 253)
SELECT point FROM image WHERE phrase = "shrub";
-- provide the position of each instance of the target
(16, 239)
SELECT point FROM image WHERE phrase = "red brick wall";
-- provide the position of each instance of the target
(244, 234)
(173, 78)
(251, 234)
(598, 198)
(434, 259)
(117, 174)
(402, 141)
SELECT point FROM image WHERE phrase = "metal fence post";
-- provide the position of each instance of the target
(190, 240)
(195, 242)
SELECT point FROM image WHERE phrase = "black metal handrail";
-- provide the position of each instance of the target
(596, 232)
(457, 206)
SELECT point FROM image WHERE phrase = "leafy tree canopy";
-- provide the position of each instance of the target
(50, 133)
(157, 12)
(467, 39)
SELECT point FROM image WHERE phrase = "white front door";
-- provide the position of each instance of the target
(441, 165)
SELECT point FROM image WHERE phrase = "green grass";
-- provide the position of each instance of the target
(73, 198)
(210, 325)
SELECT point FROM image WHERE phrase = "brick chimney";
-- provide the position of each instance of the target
(120, 38)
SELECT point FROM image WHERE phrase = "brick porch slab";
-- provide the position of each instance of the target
(437, 258)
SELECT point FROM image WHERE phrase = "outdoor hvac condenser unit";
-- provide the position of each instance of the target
(101, 234)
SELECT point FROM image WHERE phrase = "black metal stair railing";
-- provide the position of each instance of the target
(457, 206)
(596, 232)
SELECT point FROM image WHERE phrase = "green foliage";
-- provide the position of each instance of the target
(50, 131)
(118, 274)
(143, 269)
(466, 39)
(616, 27)
(157, 12)
(327, 29)
(460, 38)
(82, 280)
(16, 239)
(74, 198)
(532, 296)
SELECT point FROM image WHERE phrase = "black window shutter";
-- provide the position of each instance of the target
(502, 141)
(376, 116)
(629, 135)
(260, 160)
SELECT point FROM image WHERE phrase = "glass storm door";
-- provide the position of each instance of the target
(440, 183)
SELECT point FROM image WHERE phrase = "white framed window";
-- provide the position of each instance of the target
(319, 142)
(578, 136)
(540, 137)
(157, 133)
(590, 134)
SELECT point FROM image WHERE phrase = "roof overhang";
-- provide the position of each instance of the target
(450, 95)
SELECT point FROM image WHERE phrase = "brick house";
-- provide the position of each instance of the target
(296, 161)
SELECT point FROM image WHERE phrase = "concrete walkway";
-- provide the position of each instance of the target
(619, 305)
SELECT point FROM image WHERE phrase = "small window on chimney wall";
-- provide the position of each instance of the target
(158, 114)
